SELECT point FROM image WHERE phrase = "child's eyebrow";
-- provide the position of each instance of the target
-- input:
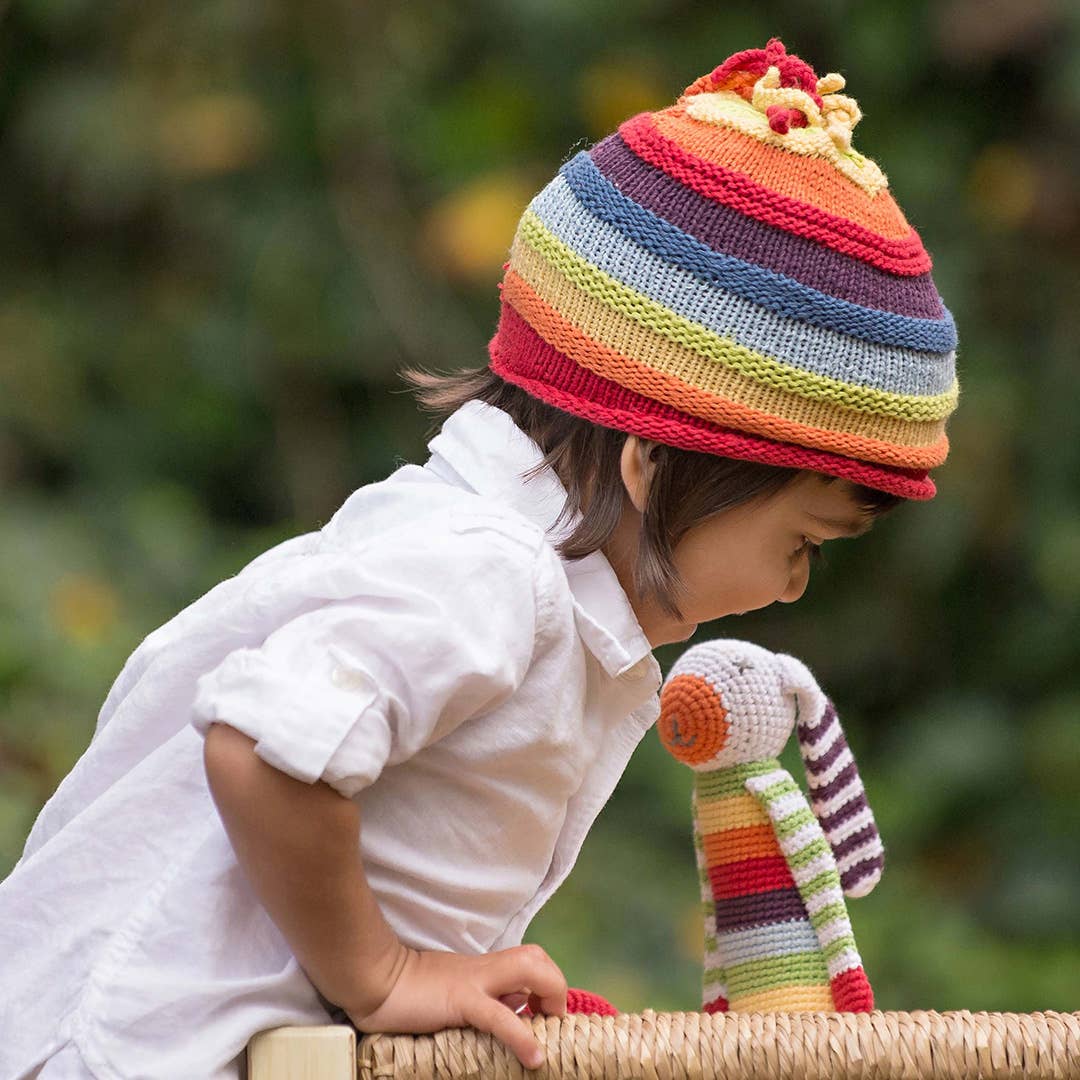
(844, 526)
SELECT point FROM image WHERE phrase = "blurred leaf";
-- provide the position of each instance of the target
(213, 133)
(617, 87)
(92, 139)
(1052, 744)
(468, 233)
(1003, 185)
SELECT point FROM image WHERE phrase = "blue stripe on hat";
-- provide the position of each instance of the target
(778, 293)
(822, 351)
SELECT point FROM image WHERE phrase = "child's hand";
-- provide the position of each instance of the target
(436, 990)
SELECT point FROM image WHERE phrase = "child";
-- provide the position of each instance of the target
(351, 774)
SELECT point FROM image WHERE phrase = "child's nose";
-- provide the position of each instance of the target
(797, 583)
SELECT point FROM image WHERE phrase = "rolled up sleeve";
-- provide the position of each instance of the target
(438, 625)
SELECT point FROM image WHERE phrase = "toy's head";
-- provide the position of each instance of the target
(731, 702)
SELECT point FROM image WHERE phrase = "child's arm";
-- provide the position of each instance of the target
(299, 845)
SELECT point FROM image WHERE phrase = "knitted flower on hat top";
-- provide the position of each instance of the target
(729, 275)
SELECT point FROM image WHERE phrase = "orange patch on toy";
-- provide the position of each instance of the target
(693, 722)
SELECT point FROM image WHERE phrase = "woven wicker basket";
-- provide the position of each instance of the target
(666, 1046)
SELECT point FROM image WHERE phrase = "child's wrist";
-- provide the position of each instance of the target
(373, 980)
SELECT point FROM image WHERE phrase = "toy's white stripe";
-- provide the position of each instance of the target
(864, 851)
(807, 834)
(844, 961)
(852, 825)
(831, 895)
(849, 791)
(843, 760)
(786, 805)
(807, 873)
(834, 929)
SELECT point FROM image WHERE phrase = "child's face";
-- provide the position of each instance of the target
(748, 557)
(758, 553)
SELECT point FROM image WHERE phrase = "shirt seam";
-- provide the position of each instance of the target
(543, 607)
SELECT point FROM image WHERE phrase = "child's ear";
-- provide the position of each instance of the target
(636, 465)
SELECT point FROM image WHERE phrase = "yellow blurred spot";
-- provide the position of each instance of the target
(468, 234)
(1003, 185)
(691, 932)
(214, 133)
(83, 608)
(612, 91)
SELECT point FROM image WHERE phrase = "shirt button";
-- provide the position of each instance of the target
(349, 678)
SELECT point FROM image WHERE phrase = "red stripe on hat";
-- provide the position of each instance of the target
(519, 355)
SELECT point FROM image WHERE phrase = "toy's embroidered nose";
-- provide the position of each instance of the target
(693, 723)
(677, 737)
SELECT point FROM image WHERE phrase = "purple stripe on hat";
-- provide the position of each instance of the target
(837, 784)
(866, 868)
(759, 909)
(819, 765)
(856, 840)
(845, 813)
(811, 734)
(733, 233)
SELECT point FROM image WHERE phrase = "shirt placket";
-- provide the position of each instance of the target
(598, 785)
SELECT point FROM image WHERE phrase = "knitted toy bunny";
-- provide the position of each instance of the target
(773, 871)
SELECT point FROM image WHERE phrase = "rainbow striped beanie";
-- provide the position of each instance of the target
(729, 275)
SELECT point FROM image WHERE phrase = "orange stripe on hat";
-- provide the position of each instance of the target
(795, 176)
(649, 382)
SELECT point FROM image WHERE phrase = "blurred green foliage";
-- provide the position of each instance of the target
(226, 225)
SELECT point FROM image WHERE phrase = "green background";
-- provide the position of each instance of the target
(224, 227)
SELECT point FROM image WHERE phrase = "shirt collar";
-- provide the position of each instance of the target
(488, 453)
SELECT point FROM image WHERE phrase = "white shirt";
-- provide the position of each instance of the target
(428, 654)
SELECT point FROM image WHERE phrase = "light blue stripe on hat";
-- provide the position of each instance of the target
(839, 356)
(778, 293)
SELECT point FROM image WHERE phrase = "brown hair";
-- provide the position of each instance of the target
(686, 486)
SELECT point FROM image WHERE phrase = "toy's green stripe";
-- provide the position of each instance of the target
(835, 948)
(784, 786)
(770, 972)
(794, 822)
(809, 853)
(827, 914)
(732, 780)
(823, 880)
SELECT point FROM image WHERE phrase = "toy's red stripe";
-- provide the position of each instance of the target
(750, 876)
(851, 991)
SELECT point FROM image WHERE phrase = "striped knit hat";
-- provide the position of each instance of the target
(729, 275)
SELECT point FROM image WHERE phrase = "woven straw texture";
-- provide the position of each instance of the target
(806, 1046)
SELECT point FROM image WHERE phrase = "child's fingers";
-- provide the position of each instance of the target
(515, 1001)
(528, 967)
(487, 1014)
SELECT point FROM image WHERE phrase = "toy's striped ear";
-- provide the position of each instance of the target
(814, 875)
(837, 795)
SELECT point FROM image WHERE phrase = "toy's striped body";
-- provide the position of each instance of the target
(765, 929)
